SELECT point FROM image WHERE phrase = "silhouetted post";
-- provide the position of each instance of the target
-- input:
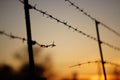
(29, 38)
(100, 49)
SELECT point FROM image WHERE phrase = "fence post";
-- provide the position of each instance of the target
(100, 49)
(29, 39)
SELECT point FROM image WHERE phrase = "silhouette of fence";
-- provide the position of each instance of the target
(70, 27)
(98, 34)
(94, 19)
(97, 61)
(24, 39)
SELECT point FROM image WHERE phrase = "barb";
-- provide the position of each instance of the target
(70, 27)
(85, 13)
(97, 61)
(24, 39)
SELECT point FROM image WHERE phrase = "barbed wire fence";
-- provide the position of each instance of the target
(81, 32)
(97, 22)
(92, 18)
(34, 42)
(69, 27)
(97, 61)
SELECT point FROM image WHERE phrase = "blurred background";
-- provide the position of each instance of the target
(71, 47)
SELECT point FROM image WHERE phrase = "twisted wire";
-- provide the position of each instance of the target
(97, 61)
(24, 39)
(85, 13)
(69, 26)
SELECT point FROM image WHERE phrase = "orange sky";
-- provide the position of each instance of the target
(72, 48)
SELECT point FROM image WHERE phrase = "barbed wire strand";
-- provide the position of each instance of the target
(24, 39)
(115, 64)
(89, 62)
(97, 61)
(85, 13)
(69, 26)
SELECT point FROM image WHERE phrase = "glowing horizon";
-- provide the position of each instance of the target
(71, 47)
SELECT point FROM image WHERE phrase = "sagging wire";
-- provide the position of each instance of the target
(97, 61)
(89, 62)
(24, 39)
(115, 64)
(69, 26)
(85, 13)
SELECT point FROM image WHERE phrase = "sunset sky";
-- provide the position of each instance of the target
(71, 47)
